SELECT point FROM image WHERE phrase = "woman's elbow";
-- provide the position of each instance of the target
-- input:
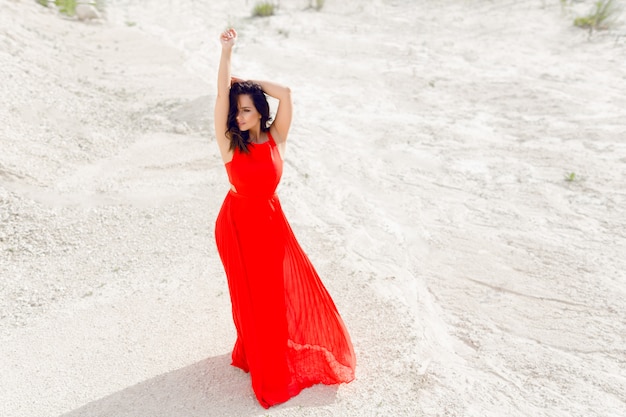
(286, 93)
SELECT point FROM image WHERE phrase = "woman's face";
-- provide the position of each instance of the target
(247, 115)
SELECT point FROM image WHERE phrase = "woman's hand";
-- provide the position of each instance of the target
(235, 80)
(228, 38)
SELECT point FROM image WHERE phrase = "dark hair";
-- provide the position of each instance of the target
(238, 139)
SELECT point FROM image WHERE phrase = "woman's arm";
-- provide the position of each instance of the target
(227, 39)
(282, 121)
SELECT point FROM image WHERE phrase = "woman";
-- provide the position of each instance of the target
(289, 333)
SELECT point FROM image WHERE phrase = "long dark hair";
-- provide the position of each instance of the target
(238, 139)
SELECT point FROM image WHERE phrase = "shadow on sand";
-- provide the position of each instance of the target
(210, 387)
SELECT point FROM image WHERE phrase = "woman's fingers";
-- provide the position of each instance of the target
(228, 38)
(229, 34)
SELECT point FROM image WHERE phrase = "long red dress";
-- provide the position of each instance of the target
(289, 333)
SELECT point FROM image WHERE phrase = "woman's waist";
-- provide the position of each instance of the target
(253, 196)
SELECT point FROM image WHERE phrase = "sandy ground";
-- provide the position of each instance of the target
(425, 179)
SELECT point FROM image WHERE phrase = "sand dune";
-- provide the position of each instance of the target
(425, 178)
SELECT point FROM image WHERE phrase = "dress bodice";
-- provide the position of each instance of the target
(256, 173)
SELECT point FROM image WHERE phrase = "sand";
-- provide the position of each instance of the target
(425, 178)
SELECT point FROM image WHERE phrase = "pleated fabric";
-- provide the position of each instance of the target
(289, 333)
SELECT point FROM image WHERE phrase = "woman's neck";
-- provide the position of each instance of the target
(255, 135)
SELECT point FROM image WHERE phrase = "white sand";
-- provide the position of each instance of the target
(425, 179)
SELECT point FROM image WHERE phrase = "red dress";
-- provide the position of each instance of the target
(289, 333)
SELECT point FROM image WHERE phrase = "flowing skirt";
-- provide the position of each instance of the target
(289, 333)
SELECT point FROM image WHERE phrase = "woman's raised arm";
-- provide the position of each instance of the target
(282, 121)
(227, 39)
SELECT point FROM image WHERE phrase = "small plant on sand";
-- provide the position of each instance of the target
(263, 9)
(317, 4)
(601, 17)
(571, 177)
(67, 7)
